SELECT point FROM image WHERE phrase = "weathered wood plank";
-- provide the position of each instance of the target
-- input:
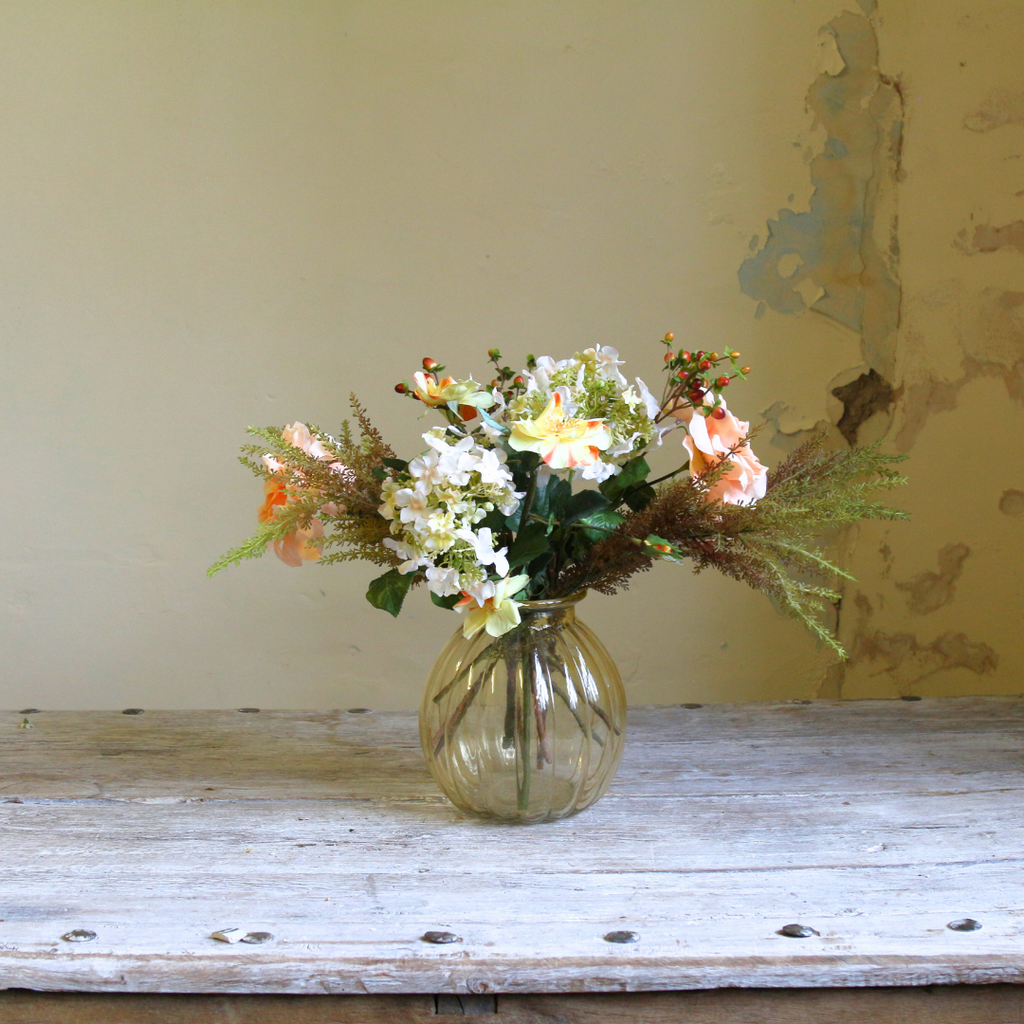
(20, 1007)
(874, 823)
(967, 1004)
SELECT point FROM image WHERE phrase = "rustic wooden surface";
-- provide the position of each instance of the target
(875, 823)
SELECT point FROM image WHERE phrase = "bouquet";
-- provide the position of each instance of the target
(536, 486)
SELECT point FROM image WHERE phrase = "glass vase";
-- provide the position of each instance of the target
(528, 726)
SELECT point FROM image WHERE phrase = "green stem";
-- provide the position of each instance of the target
(524, 720)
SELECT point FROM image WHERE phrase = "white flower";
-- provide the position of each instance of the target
(413, 504)
(443, 582)
(413, 561)
(608, 362)
(491, 467)
(599, 471)
(482, 542)
(623, 447)
(651, 404)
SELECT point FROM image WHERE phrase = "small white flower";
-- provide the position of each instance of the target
(608, 362)
(623, 447)
(482, 542)
(651, 405)
(443, 582)
(413, 561)
(599, 471)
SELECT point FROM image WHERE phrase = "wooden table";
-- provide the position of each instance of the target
(873, 825)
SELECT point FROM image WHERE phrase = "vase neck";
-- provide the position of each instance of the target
(559, 610)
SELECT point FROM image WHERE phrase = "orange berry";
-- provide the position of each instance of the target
(428, 363)
(744, 369)
(670, 336)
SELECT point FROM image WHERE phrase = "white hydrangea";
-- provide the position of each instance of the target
(435, 508)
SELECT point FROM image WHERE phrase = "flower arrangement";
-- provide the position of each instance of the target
(492, 513)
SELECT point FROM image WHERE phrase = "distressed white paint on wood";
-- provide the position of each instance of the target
(874, 822)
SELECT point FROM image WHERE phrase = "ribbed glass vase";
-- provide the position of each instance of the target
(529, 726)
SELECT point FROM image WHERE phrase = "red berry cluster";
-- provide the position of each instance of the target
(432, 366)
(694, 376)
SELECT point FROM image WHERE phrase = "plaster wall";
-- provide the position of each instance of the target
(222, 213)
(938, 608)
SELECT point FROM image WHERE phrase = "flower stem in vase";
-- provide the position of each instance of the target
(524, 720)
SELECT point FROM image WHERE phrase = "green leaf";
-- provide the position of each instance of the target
(400, 464)
(633, 472)
(531, 542)
(604, 522)
(445, 602)
(387, 592)
(583, 504)
(640, 498)
(521, 465)
(551, 502)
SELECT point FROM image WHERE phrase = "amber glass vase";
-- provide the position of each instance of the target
(529, 726)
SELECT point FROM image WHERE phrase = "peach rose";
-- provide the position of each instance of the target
(297, 547)
(708, 439)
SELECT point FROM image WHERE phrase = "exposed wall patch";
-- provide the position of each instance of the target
(862, 398)
(827, 258)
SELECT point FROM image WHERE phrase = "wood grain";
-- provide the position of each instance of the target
(876, 823)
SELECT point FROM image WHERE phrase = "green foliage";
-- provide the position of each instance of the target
(387, 592)
(770, 545)
(531, 541)
(634, 473)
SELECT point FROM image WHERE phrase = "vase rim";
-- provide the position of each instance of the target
(553, 603)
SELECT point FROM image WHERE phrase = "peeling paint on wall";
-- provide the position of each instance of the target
(991, 239)
(827, 258)
(1000, 107)
(990, 332)
(929, 591)
(862, 398)
(908, 662)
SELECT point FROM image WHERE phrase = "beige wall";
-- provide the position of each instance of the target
(220, 213)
